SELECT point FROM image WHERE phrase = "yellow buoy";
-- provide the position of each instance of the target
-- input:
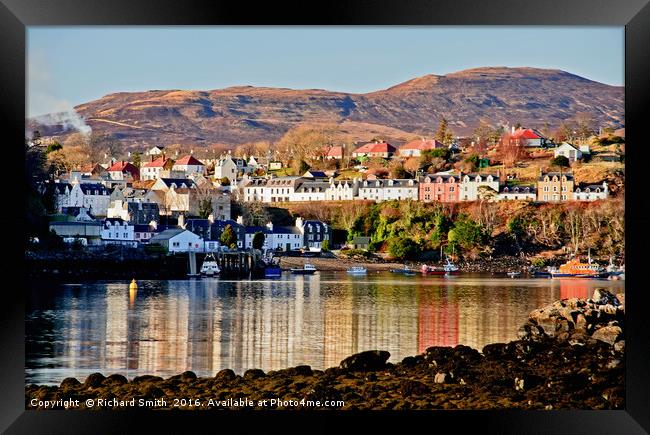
(133, 285)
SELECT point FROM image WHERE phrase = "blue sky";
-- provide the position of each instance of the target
(72, 65)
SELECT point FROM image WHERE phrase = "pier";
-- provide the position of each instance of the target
(241, 264)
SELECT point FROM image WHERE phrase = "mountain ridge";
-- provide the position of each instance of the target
(497, 95)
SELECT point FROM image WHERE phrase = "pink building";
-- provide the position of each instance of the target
(440, 188)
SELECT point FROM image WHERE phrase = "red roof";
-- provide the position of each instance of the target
(376, 147)
(422, 145)
(160, 162)
(526, 133)
(336, 151)
(122, 166)
(188, 160)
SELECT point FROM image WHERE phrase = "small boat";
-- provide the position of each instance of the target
(406, 270)
(210, 266)
(357, 270)
(513, 274)
(409, 273)
(448, 269)
(307, 269)
(272, 271)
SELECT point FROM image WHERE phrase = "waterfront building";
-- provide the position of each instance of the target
(592, 192)
(314, 233)
(93, 196)
(440, 187)
(342, 190)
(178, 240)
(386, 190)
(555, 186)
(472, 186)
(117, 231)
(517, 193)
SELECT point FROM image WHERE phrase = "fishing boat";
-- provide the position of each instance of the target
(574, 268)
(210, 266)
(357, 270)
(307, 269)
(449, 268)
(406, 270)
(272, 271)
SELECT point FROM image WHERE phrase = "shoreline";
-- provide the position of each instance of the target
(569, 355)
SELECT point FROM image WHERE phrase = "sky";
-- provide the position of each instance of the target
(73, 65)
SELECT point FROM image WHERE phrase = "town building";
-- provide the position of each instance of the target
(517, 193)
(569, 151)
(333, 153)
(155, 151)
(93, 196)
(387, 190)
(178, 240)
(440, 187)
(342, 190)
(310, 190)
(89, 231)
(592, 192)
(226, 168)
(117, 231)
(375, 149)
(189, 165)
(555, 186)
(135, 212)
(152, 170)
(528, 137)
(416, 148)
(124, 171)
(475, 186)
(314, 233)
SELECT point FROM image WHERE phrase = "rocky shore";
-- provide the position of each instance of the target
(569, 355)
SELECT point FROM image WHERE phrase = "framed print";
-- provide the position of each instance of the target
(423, 211)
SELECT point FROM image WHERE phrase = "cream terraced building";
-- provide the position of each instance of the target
(387, 190)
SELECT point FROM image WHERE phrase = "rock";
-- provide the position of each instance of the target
(225, 375)
(94, 380)
(411, 387)
(366, 361)
(440, 378)
(409, 361)
(608, 334)
(185, 376)
(603, 297)
(115, 379)
(146, 378)
(69, 383)
(620, 297)
(254, 374)
(619, 346)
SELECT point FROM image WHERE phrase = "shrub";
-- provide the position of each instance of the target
(402, 248)
(538, 262)
(561, 161)
(324, 246)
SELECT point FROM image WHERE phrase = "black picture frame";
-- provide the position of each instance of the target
(15, 15)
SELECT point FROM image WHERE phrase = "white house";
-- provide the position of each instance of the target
(152, 170)
(343, 190)
(226, 167)
(178, 240)
(93, 196)
(591, 193)
(470, 185)
(309, 190)
(569, 151)
(517, 193)
(189, 165)
(386, 190)
(116, 231)
(154, 151)
(255, 190)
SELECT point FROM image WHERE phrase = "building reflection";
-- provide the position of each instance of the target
(207, 325)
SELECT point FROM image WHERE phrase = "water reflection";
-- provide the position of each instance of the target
(166, 327)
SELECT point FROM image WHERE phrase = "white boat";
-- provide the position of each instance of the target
(513, 274)
(357, 270)
(210, 266)
(307, 269)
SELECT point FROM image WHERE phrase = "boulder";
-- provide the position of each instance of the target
(225, 375)
(366, 361)
(115, 379)
(146, 378)
(440, 378)
(69, 383)
(185, 376)
(94, 380)
(411, 387)
(254, 374)
(608, 334)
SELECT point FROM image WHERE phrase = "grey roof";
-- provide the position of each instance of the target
(518, 189)
(90, 188)
(395, 183)
(286, 230)
(178, 182)
(472, 176)
(167, 234)
(361, 240)
(318, 185)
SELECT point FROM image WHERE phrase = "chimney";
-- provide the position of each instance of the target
(299, 223)
(270, 225)
(512, 130)
(211, 218)
(181, 221)
(240, 220)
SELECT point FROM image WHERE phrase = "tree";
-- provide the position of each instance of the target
(561, 161)
(228, 237)
(325, 245)
(205, 208)
(225, 181)
(54, 146)
(258, 240)
(444, 134)
(402, 247)
(137, 159)
(510, 151)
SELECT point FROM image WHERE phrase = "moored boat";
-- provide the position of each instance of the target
(448, 269)
(357, 270)
(406, 270)
(272, 271)
(576, 269)
(307, 269)
(210, 266)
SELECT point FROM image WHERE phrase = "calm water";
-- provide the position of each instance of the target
(167, 327)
